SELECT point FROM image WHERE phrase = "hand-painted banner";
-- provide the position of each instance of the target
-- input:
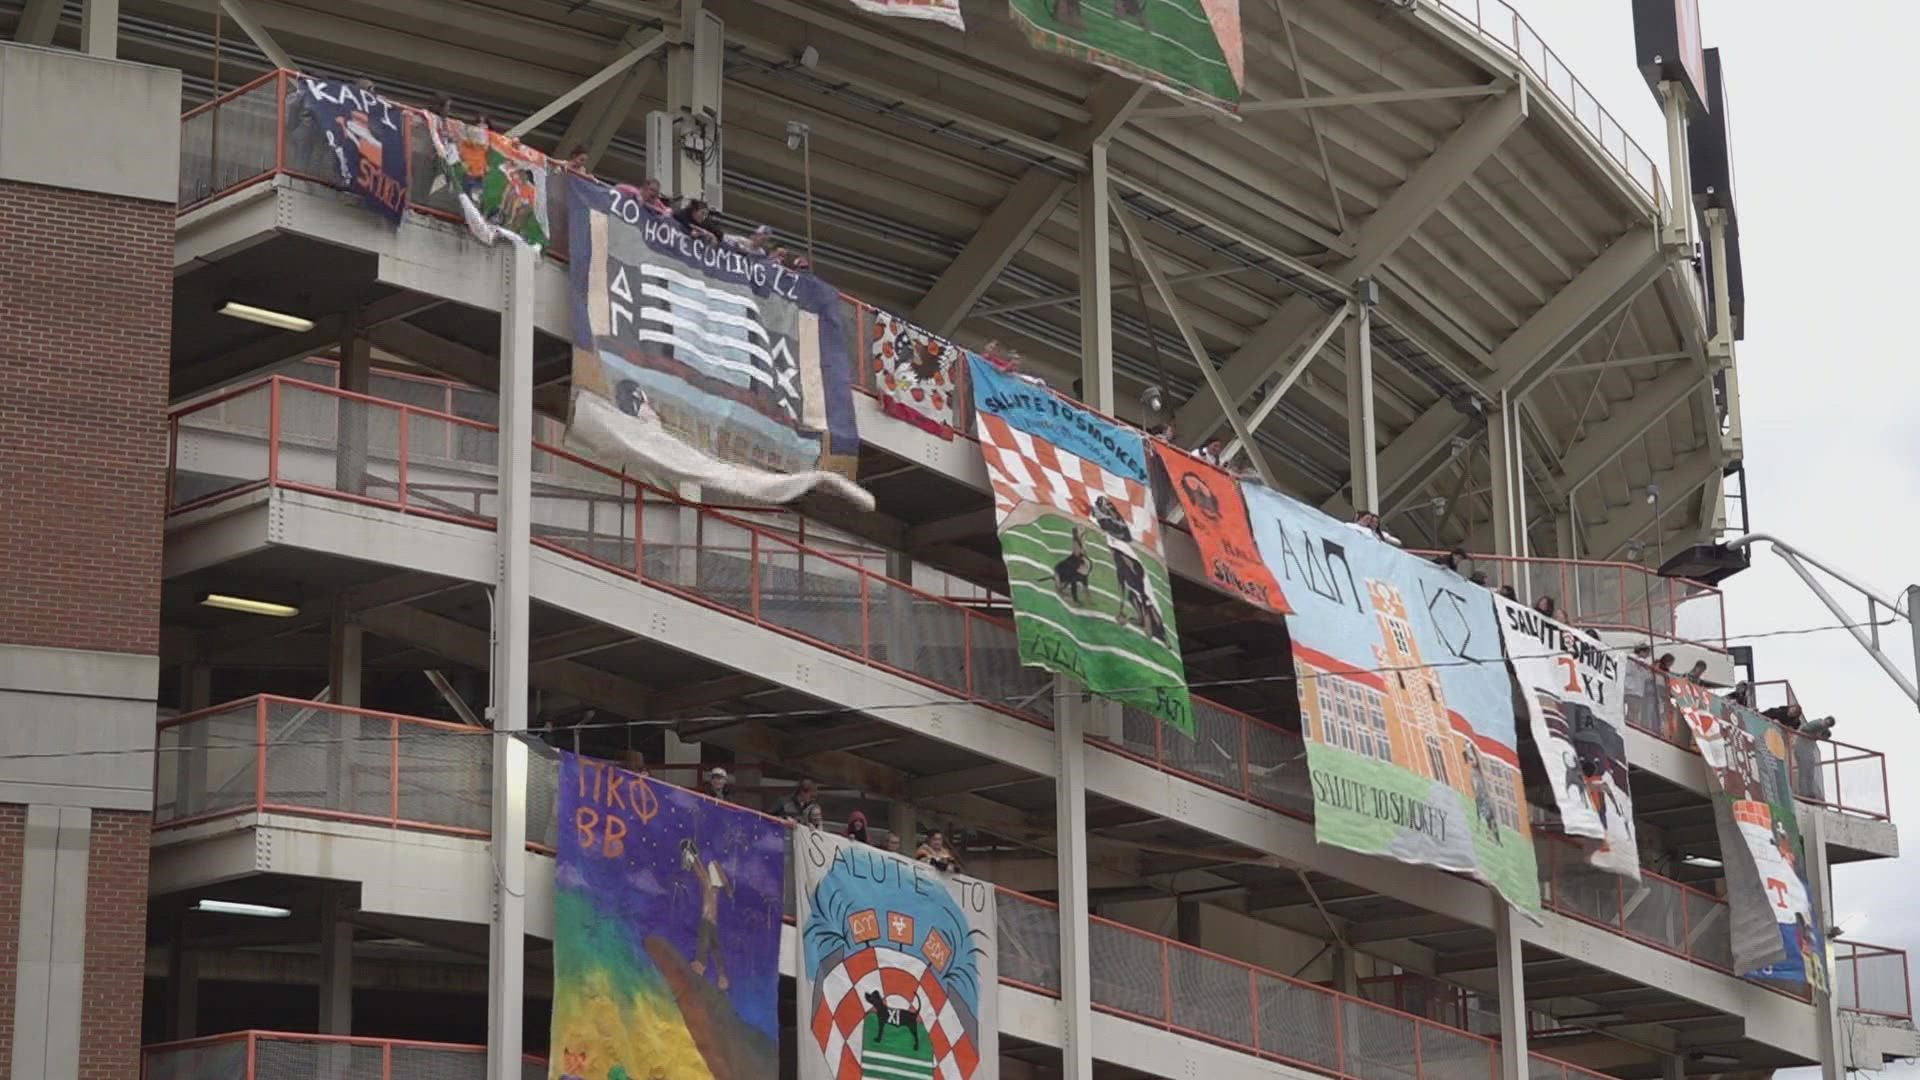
(1192, 48)
(501, 183)
(916, 374)
(1091, 597)
(366, 141)
(666, 931)
(940, 11)
(1573, 689)
(899, 970)
(1404, 700)
(1217, 517)
(1777, 933)
(697, 362)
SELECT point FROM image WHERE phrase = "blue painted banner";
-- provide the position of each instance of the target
(666, 931)
(366, 142)
(1404, 699)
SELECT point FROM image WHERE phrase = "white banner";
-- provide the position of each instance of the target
(898, 975)
(1575, 700)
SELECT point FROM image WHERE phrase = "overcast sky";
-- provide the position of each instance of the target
(1828, 383)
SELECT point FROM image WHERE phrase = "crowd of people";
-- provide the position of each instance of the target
(801, 805)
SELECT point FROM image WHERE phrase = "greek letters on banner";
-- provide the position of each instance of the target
(1091, 597)
(696, 362)
(666, 931)
(1776, 931)
(1404, 700)
(1217, 517)
(1573, 688)
(501, 183)
(1192, 48)
(361, 136)
(899, 976)
(940, 11)
(916, 374)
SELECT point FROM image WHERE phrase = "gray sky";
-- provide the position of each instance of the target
(1827, 387)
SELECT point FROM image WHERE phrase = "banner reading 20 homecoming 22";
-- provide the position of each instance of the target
(1081, 538)
(666, 931)
(899, 974)
(1574, 695)
(1404, 700)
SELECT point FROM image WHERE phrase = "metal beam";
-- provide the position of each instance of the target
(467, 646)
(1374, 240)
(38, 22)
(1032, 199)
(976, 779)
(1331, 101)
(257, 34)
(1650, 401)
(462, 362)
(1119, 285)
(1200, 358)
(587, 85)
(1676, 491)
(277, 348)
(1624, 361)
(1299, 368)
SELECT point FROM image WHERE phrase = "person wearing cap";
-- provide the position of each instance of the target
(857, 827)
(718, 784)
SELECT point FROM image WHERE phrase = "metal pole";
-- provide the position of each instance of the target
(1362, 445)
(506, 989)
(1096, 284)
(1512, 984)
(1071, 705)
(806, 178)
(1913, 596)
(1820, 879)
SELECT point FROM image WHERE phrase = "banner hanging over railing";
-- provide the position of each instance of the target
(899, 966)
(1404, 700)
(1081, 539)
(1191, 48)
(666, 930)
(1217, 517)
(1572, 687)
(1777, 934)
(501, 182)
(364, 136)
(946, 12)
(916, 375)
(695, 362)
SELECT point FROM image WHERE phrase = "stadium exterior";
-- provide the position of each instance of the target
(1424, 265)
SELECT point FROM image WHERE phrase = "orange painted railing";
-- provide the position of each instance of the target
(1871, 979)
(286, 1055)
(1613, 597)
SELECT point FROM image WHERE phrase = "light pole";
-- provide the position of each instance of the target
(800, 137)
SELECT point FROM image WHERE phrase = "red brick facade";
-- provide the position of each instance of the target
(85, 328)
(13, 836)
(110, 989)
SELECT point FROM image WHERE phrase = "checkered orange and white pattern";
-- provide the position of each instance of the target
(1025, 469)
(906, 982)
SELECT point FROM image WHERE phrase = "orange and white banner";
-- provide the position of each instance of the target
(1217, 517)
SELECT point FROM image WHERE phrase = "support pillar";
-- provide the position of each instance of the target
(336, 963)
(1363, 455)
(1512, 978)
(1346, 970)
(100, 28)
(1070, 822)
(903, 821)
(356, 377)
(1507, 491)
(1833, 1041)
(686, 538)
(506, 988)
(1678, 232)
(342, 729)
(1096, 284)
(1673, 1067)
(1187, 922)
(190, 763)
(183, 984)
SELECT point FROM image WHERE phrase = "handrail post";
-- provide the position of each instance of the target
(393, 771)
(753, 573)
(1166, 982)
(279, 122)
(273, 432)
(260, 753)
(866, 615)
(400, 464)
(966, 651)
(253, 1054)
(1253, 1006)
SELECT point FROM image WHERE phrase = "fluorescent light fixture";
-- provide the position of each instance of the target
(1701, 860)
(277, 320)
(251, 607)
(234, 907)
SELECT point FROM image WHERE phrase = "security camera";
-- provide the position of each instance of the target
(797, 132)
(809, 58)
(1653, 493)
(1151, 399)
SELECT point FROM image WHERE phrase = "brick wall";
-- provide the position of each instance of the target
(85, 327)
(13, 829)
(115, 967)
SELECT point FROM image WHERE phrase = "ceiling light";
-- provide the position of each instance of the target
(1701, 860)
(1704, 1058)
(234, 907)
(251, 607)
(275, 319)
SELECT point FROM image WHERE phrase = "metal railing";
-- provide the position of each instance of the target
(1500, 24)
(1825, 772)
(285, 1055)
(1612, 597)
(1871, 979)
(1659, 912)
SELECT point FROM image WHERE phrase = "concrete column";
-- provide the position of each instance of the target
(51, 947)
(1187, 922)
(190, 761)
(1070, 839)
(345, 652)
(686, 539)
(1512, 978)
(1363, 456)
(336, 963)
(100, 28)
(903, 821)
(1508, 490)
(1346, 969)
(183, 984)
(1673, 1067)
(1096, 284)
(506, 989)
(1813, 831)
(354, 426)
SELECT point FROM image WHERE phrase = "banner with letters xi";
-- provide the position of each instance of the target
(1081, 538)
(1573, 690)
(694, 362)
(1404, 700)
(667, 908)
(899, 970)
(1777, 934)
(363, 138)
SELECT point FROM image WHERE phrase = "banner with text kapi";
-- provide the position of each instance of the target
(1404, 700)
(666, 931)
(1776, 930)
(899, 966)
(1573, 689)
(362, 137)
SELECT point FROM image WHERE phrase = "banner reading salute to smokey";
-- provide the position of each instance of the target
(1573, 690)
(1404, 700)
(695, 362)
